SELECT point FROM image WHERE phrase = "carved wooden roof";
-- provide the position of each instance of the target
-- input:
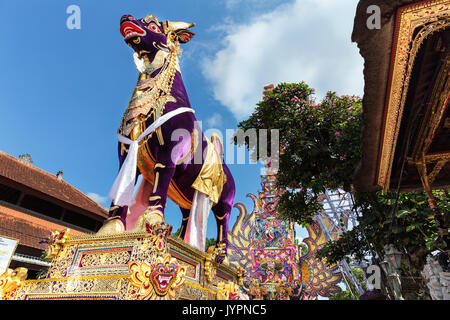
(405, 106)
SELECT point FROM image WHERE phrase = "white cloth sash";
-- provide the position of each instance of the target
(198, 221)
(122, 190)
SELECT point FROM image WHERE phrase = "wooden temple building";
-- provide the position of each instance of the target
(406, 135)
(34, 203)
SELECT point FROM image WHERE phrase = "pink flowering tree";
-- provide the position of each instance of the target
(320, 143)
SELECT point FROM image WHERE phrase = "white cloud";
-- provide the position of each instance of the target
(253, 4)
(214, 121)
(231, 3)
(98, 198)
(306, 40)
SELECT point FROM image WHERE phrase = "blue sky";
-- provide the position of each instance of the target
(63, 92)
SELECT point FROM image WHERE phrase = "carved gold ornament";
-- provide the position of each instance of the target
(258, 292)
(241, 275)
(158, 280)
(210, 263)
(228, 291)
(11, 280)
(159, 233)
(151, 94)
(55, 243)
(283, 291)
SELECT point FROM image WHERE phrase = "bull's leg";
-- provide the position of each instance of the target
(116, 221)
(117, 212)
(163, 176)
(184, 222)
(222, 213)
(164, 170)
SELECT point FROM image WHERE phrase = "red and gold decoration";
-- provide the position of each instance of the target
(10, 280)
(55, 241)
(157, 281)
(229, 291)
(149, 265)
(264, 246)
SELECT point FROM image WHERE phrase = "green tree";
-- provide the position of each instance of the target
(353, 294)
(319, 142)
(412, 228)
(177, 233)
(209, 242)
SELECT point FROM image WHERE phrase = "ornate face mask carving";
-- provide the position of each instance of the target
(157, 280)
(162, 277)
(148, 35)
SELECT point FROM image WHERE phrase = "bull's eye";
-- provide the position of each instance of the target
(153, 27)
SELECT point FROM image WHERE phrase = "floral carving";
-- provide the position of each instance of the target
(55, 242)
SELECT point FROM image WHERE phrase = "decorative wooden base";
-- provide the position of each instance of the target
(129, 266)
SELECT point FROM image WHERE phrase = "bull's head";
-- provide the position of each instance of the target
(146, 36)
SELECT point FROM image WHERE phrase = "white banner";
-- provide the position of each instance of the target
(7, 248)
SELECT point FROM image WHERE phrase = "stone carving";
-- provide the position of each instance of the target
(438, 282)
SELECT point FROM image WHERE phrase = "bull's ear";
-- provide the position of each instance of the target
(180, 29)
(184, 35)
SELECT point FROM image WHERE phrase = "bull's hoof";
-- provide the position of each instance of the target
(111, 226)
(148, 218)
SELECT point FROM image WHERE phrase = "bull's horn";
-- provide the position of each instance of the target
(151, 17)
(179, 25)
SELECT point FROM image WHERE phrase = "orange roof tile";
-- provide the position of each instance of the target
(28, 229)
(47, 183)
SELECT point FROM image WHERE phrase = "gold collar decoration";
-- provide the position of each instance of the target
(152, 94)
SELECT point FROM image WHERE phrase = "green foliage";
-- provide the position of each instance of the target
(209, 242)
(319, 144)
(346, 294)
(412, 227)
(343, 295)
(177, 233)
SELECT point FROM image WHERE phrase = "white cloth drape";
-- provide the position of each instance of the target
(122, 190)
(198, 220)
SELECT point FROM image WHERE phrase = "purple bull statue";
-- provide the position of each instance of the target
(159, 138)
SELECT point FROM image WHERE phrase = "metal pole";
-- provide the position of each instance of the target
(343, 263)
(347, 284)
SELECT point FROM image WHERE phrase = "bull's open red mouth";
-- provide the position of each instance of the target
(162, 281)
(129, 30)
